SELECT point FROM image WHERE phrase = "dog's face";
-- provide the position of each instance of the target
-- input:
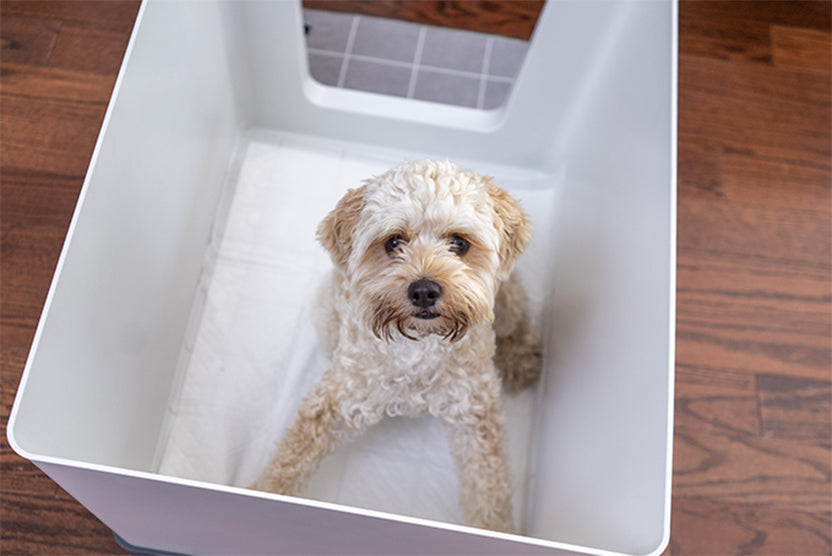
(425, 247)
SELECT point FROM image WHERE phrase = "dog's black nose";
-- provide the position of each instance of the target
(424, 293)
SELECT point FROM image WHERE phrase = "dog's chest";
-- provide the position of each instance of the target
(410, 377)
(422, 358)
(429, 375)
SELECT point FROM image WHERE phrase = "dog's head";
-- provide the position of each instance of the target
(424, 247)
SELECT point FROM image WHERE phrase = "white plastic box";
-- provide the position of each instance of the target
(590, 128)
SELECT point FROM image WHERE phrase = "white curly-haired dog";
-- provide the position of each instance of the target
(422, 314)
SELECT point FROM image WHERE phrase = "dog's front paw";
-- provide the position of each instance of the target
(495, 522)
(275, 482)
(262, 483)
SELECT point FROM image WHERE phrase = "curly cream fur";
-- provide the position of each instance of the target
(389, 361)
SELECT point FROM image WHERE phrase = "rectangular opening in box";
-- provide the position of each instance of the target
(474, 65)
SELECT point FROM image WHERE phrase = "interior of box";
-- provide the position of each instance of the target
(164, 348)
(254, 354)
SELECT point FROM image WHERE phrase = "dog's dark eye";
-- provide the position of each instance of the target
(393, 243)
(459, 245)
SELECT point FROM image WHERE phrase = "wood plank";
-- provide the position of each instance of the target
(777, 183)
(30, 255)
(811, 14)
(17, 475)
(725, 38)
(515, 19)
(766, 232)
(709, 171)
(720, 455)
(753, 314)
(51, 525)
(802, 48)
(51, 117)
(796, 408)
(772, 113)
(90, 50)
(704, 527)
(52, 136)
(730, 465)
(714, 398)
(27, 40)
(699, 170)
(19, 318)
(710, 381)
(116, 16)
(35, 213)
(57, 85)
(36, 198)
(741, 30)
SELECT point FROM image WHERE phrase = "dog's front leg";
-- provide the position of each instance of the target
(477, 444)
(315, 433)
(519, 348)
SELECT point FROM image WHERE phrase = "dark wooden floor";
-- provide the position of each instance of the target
(753, 444)
(514, 18)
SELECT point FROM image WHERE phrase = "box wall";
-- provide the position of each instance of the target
(608, 414)
(267, 41)
(192, 518)
(101, 367)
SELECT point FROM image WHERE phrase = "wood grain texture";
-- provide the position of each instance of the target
(754, 332)
(514, 18)
(54, 525)
(801, 48)
(754, 355)
(27, 40)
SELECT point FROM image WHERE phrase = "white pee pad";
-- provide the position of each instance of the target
(253, 352)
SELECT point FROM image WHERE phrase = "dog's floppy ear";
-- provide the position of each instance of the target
(335, 232)
(513, 225)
